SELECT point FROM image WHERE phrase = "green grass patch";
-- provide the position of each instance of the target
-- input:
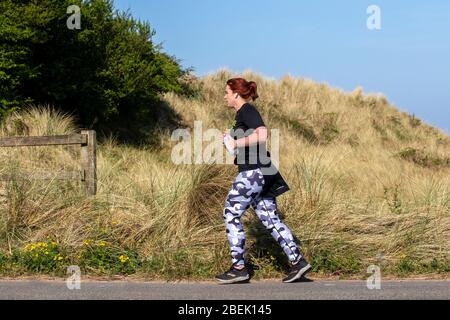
(409, 265)
(337, 258)
(40, 257)
(423, 159)
(178, 264)
(103, 257)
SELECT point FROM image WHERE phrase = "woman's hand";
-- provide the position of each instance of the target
(229, 142)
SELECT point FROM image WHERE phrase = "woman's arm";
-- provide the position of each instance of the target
(258, 136)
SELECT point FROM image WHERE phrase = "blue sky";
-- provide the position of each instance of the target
(408, 60)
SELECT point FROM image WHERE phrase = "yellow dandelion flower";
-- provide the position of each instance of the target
(58, 257)
(123, 258)
(101, 243)
(87, 242)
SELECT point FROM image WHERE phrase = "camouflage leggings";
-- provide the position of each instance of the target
(245, 191)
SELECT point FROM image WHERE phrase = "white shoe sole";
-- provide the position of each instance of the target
(302, 271)
(237, 279)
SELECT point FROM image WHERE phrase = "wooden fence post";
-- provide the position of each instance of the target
(88, 161)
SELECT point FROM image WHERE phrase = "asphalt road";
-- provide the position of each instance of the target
(255, 290)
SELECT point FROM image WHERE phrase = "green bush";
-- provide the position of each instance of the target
(109, 70)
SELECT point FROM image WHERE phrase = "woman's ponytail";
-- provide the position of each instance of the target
(253, 90)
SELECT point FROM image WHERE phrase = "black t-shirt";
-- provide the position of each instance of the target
(250, 157)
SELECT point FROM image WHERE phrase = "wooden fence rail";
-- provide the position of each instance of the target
(86, 139)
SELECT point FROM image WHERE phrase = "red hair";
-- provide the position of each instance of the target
(243, 87)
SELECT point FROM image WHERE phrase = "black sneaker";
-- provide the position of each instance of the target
(298, 270)
(233, 275)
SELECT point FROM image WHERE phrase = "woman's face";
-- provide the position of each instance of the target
(230, 97)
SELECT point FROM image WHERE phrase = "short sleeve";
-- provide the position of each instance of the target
(252, 118)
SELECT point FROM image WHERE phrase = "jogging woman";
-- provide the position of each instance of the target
(254, 185)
